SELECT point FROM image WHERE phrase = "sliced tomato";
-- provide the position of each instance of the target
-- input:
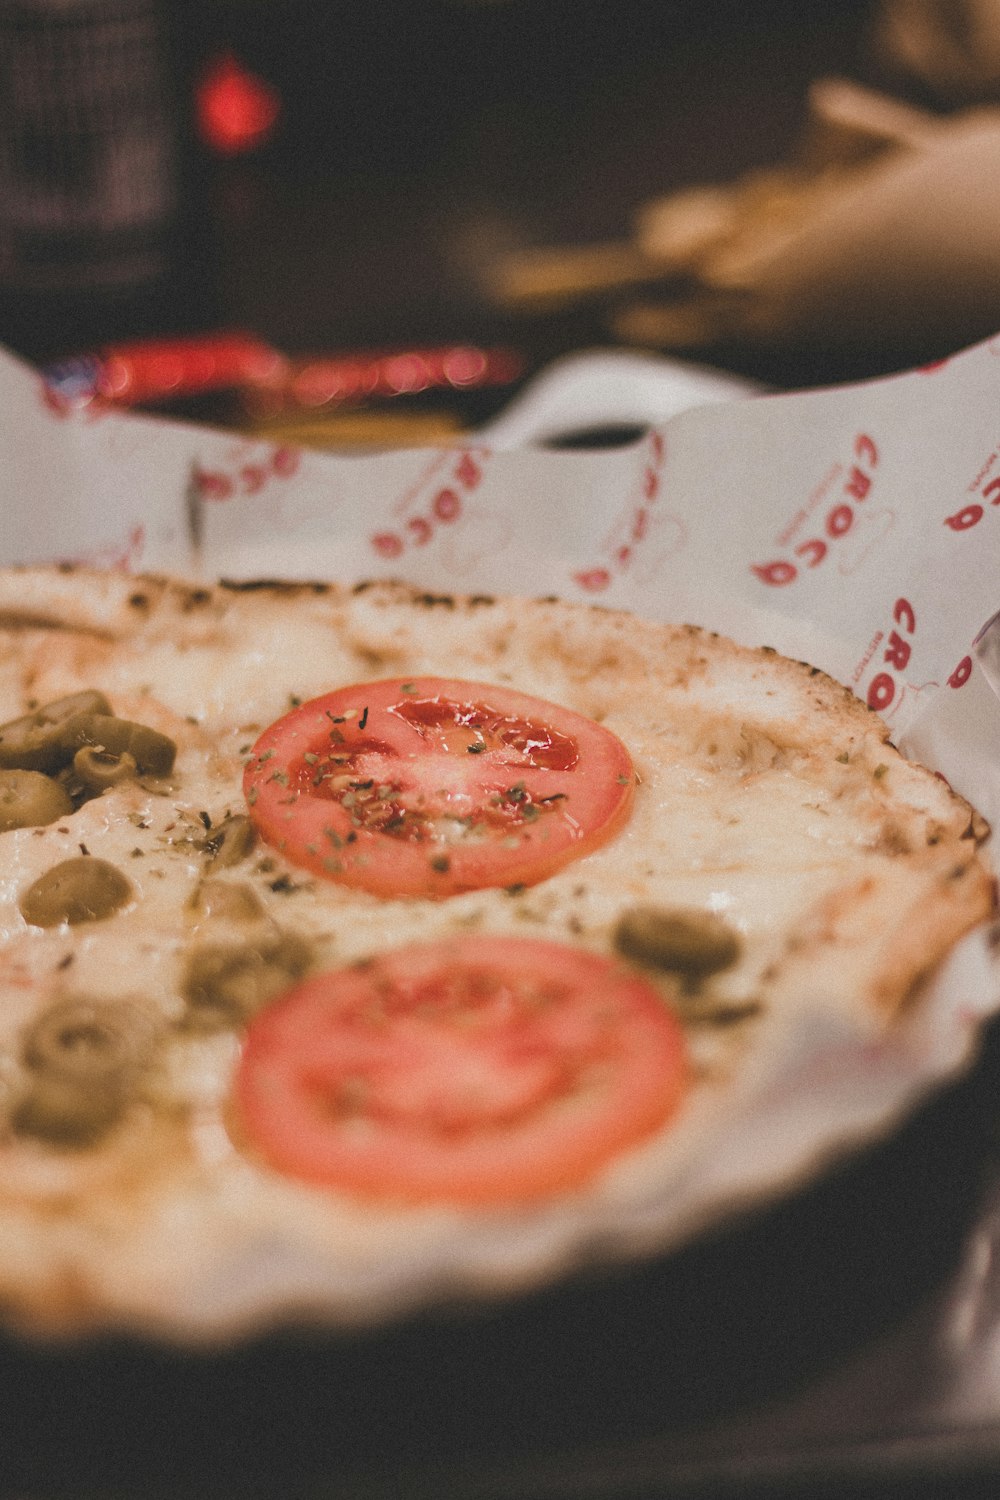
(428, 786)
(475, 1070)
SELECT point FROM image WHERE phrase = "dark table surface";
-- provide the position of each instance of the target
(841, 1344)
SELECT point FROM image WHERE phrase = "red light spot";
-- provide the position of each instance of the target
(406, 373)
(464, 366)
(237, 110)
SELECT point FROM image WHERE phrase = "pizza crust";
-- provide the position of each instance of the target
(767, 793)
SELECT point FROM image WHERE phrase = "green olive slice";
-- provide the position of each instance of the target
(28, 799)
(83, 1058)
(230, 842)
(225, 985)
(227, 900)
(153, 752)
(683, 941)
(100, 769)
(89, 1041)
(34, 742)
(63, 1113)
(83, 889)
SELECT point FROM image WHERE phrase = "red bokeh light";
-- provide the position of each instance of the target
(236, 109)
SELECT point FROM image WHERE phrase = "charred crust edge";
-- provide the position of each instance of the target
(284, 587)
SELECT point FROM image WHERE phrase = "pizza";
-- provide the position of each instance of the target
(360, 944)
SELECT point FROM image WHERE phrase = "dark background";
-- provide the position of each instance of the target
(419, 136)
(419, 139)
(422, 138)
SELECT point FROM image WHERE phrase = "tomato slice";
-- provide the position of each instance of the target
(428, 786)
(474, 1070)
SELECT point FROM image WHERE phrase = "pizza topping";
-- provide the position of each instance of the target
(229, 843)
(152, 752)
(34, 742)
(83, 1058)
(227, 900)
(65, 1114)
(684, 941)
(89, 1039)
(431, 786)
(83, 889)
(98, 769)
(227, 983)
(73, 749)
(475, 1070)
(30, 799)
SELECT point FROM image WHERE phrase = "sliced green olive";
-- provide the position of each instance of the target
(153, 752)
(67, 1114)
(230, 843)
(83, 889)
(83, 1058)
(34, 742)
(72, 785)
(29, 799)
(228, 900)
(90, 1041)
(692, 943)
(225, 985)
(98, 770)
